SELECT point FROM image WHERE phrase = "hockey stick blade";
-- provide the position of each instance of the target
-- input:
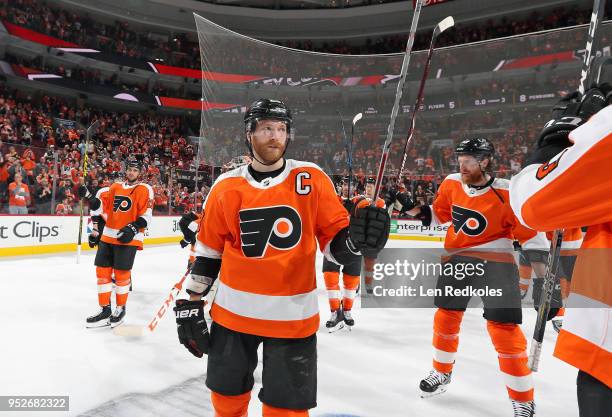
(445, 24)
(357, 118)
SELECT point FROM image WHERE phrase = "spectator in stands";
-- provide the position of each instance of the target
(19, 196)
(64, 208)
(43, 197)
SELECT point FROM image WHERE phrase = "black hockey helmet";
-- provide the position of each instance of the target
(345, 180)
(133, 162)
(265, 108)
(475, 146)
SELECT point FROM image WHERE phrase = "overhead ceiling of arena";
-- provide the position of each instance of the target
(347, 23)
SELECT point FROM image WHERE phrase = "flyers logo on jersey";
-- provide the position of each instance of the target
(549, 167)
(278, 226)
(470, 222)
(122, 203)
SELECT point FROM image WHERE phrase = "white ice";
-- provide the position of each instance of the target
(372, 371)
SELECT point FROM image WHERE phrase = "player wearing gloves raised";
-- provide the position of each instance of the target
(121, 212)
(483, 228)
(567, 184)
(260, 233)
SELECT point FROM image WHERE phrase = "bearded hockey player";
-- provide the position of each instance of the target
(122, 212)
(483, 229)
(259, 235)
(566, 184)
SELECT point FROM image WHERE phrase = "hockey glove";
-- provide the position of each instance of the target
(555, 302)
(93, 240)
(126, 233)
(84, 192)
(191, 326)
(570, 112)
(188, 234)
(424, 215)
(406, 202)
(369, 228)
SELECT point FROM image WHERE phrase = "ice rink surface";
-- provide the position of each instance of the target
(372, 371)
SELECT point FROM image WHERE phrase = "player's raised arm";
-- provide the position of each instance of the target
(568, 176)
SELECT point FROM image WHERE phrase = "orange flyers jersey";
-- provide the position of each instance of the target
(123, 204)
(479, 218)
(266, 235)
(572, 190)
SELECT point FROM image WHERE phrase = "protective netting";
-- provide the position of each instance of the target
(501, 89)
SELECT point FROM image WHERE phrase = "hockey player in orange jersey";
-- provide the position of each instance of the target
(341, 308)
(370, 259)
(566, 184)
(259, 235)
(121, 213)
(482, 228)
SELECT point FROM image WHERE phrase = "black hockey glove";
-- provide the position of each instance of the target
(93, 240)
(126, 233)
(570, 112)
(84, 192)
(555, 302)
(406, 202)
(424, 215)
(191, 326)
(369, 229)
(189, 235)
(99, 224)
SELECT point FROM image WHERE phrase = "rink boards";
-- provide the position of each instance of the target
(34, 235)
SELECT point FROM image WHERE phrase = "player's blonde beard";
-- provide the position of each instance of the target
(265, 155)
(131, 182)
(478, 176)
(474, 178)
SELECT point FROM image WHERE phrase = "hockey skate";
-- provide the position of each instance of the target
(102, 319)
(523, 408)
(348, 319)
(336, 321)
(117, 317)
(369, 288)
(435, 383)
